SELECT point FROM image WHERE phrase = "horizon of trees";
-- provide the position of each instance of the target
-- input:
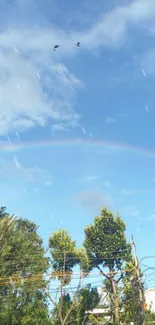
(55, 286)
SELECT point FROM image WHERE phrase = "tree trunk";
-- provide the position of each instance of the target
(116, 301)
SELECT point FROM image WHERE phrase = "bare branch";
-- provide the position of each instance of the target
(119, 278)
(104, 274)
(51, 299)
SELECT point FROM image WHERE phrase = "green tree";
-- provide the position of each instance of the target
(131, 300)
(66, 302)
(65, 256)
(149, 318)
(22, 268)
(107, 248)
(88, 299)
(130, 295)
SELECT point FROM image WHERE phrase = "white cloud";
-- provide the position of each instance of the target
(131, 211)
(27, 52)
(92, 177)
(57, 127)
(111, 30)
(12, 169)
(25, 99)
(89, 178)
(107, 184)
(128, 192)
(49, 183)
(110, 120)
(67, 124)
(36, 174)
(135, 213)
(93, 200)
(135, 191)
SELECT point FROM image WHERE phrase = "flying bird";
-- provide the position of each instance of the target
(56, 47)
(77, 44)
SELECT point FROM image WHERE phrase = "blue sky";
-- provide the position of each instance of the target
(100, 92)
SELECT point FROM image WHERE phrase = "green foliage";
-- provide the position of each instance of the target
(66, 303)
(106, 247)
(22, 265)
(105, 242)
(65, 255)
(24, 294)
(130, 296)
(88, 299)
(3, 213)
(149, 318)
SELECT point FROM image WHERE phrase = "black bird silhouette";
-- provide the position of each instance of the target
(78, 44)
(56, 47)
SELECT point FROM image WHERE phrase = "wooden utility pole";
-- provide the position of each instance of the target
(140, 288)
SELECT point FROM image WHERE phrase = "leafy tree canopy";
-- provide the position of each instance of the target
(22, 266)
(105, 242)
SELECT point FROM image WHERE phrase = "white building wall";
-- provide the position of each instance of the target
(150, 299)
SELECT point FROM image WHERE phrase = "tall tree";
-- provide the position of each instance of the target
(22, 268)
(107, 248)
(65, 256)
(132, 310)
(130, 295)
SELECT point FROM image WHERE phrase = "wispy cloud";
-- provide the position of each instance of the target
(93, 200)
(35, 77)
(107, 184)
(135, 213)
(90, 178)
(57, 127)
(32, 98)
(135, 191)
(13, 169)
(36, 174)
(131, 211)
(110, 120)
(112, 29)
(148, 62)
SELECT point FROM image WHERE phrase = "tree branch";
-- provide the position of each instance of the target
(52, 300)
(85, 317)
(106, 276)
(56, 306)
(70, 310)
(119, 278)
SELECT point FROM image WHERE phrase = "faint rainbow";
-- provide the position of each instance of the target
(76, 143)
